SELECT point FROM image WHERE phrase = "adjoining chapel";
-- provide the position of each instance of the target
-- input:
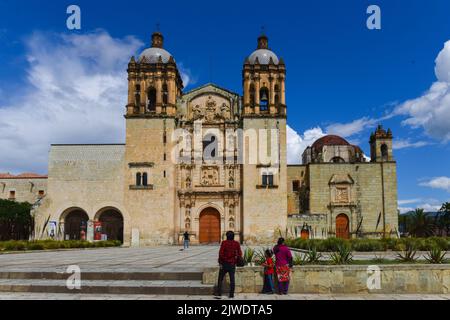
(136, 193)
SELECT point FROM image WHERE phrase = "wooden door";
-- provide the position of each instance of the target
(342, 227)
(209, 226)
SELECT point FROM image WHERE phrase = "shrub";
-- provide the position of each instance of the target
(36, 246)
(343, 255)
(367, 245)
(436, 255)
(313, 256)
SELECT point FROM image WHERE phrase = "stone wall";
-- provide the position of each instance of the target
(403, 279)
(24, 189)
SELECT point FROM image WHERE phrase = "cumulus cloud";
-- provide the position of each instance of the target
(402, 144)
(352, 128)
(431, 110)
(76, 93)
(442, 183)
(297, 143)
(428, 205)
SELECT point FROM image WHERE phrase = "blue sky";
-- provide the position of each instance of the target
(341, 77)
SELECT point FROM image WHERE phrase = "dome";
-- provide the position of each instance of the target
(329, 140)
(263, 56)
(152, 55)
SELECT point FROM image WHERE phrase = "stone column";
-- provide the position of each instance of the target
(257, 88)
(158, 94)
(143, 105)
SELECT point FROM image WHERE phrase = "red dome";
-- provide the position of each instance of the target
(329, 140)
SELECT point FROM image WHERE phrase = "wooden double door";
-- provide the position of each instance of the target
(210, 226)
(342, 226)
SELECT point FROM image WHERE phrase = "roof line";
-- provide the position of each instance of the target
(210, 84)
(87, 144)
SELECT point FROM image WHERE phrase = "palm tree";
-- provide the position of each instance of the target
(420, 224)
(443, 219)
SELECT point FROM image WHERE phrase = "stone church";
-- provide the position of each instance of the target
(207, 161)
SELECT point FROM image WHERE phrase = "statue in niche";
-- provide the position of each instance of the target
(225, 109)
(231, 182)
(188, 182)
(211, 109)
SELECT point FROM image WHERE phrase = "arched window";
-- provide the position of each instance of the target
(337, 160)
(165, 94)
(151, 95)
(209, 147)
(145, 179)
(252, 95)
(263, 99)
(137, 95)
(384, 152)
(138, 179)
(277, 94)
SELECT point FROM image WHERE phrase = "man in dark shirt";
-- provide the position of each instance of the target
(186, 240)
(230, 252)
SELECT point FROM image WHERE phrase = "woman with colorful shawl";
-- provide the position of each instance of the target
(283, 265)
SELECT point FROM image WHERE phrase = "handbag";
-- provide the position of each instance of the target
(240, 262)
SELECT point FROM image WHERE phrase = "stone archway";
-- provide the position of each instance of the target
(209, 229)
(111, 221)
(75, 224)
(342, 226)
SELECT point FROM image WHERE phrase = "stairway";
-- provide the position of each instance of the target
(156, 283)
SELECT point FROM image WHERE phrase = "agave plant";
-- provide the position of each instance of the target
(298, 259)
(343, 255)
(313, 256)
(259, 256)
(436, 255)
(408, 254)
(248, 255)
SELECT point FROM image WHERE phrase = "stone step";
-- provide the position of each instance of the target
(159, 287)
(163, 276)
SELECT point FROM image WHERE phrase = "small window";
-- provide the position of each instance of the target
(165, 157)
(267, 179)
(41, 193)
(165, 94)
(337, 160)
(138, 179)
(295, 185)
(12, 195)
(164, 173)
(145, 179)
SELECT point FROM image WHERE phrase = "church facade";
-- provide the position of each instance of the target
(210, 160)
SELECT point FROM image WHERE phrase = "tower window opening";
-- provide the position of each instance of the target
(145, 179)
(165, 94)
(264, 99)
(384, 152)
(151, 105)
(267, 179)
(138, 179)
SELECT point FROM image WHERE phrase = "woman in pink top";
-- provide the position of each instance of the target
(283, 265)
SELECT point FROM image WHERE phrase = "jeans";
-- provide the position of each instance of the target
(186, 244)
(224, 269)
(268, 284)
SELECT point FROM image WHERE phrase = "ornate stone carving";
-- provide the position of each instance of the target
(210, 176)
(342, 195)
(211, 111)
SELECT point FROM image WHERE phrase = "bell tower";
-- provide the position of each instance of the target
(381, 145)
(264, 81)
(264, 163)
(154, 82)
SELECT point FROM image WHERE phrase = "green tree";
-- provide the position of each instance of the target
(420, 224)
(16, 222)
(443, 219)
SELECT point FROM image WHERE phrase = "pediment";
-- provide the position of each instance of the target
(341, 179)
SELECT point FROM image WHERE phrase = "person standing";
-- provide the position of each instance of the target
(186, 240)
(283, 265)
(229, 253)
(269, 266)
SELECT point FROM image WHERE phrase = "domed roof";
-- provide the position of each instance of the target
(156, 51)
(263, 56)
(263, 53)
(329, 140)
(152, 55)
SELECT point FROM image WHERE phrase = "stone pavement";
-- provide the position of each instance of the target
(63, 296)
(166, 258)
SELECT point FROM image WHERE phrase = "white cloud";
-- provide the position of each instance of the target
(438, 183)
(351, 128)
(297, 143)
(431, 110)
(76, 94)
(429, 205)
(402, 144)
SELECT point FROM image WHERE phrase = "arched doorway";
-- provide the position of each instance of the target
(342, 226)
(112, 224)
(209, 226)
(75, 225)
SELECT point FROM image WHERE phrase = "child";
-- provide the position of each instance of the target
(268, 273)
